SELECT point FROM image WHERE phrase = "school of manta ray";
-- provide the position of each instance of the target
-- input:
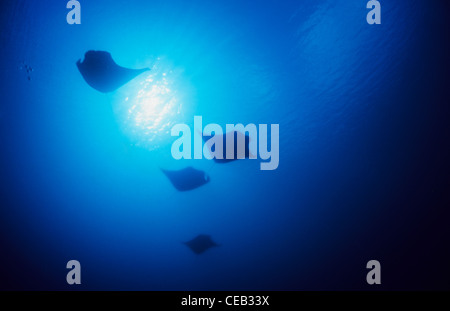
(101, 72)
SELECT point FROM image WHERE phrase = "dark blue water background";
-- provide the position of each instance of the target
(364, 143)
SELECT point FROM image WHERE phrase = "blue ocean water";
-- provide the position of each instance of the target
(364, 142)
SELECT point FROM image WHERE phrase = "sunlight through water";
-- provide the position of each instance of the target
(150, 105)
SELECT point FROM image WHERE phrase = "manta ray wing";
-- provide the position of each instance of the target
(101, 72)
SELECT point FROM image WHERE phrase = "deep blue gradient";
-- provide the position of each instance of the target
(364, 146)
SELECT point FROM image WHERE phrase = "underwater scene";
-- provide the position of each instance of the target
(224, 145)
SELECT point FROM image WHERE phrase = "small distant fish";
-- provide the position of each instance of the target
(28, 69)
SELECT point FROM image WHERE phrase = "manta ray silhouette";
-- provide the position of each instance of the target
(238, 154)
(200, 243)
(101, 72)
(186, 179)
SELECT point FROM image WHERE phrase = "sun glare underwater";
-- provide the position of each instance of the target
(363, 115)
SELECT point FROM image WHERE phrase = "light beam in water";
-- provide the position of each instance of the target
(150, 105)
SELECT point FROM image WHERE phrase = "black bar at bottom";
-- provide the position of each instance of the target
(230, 300)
